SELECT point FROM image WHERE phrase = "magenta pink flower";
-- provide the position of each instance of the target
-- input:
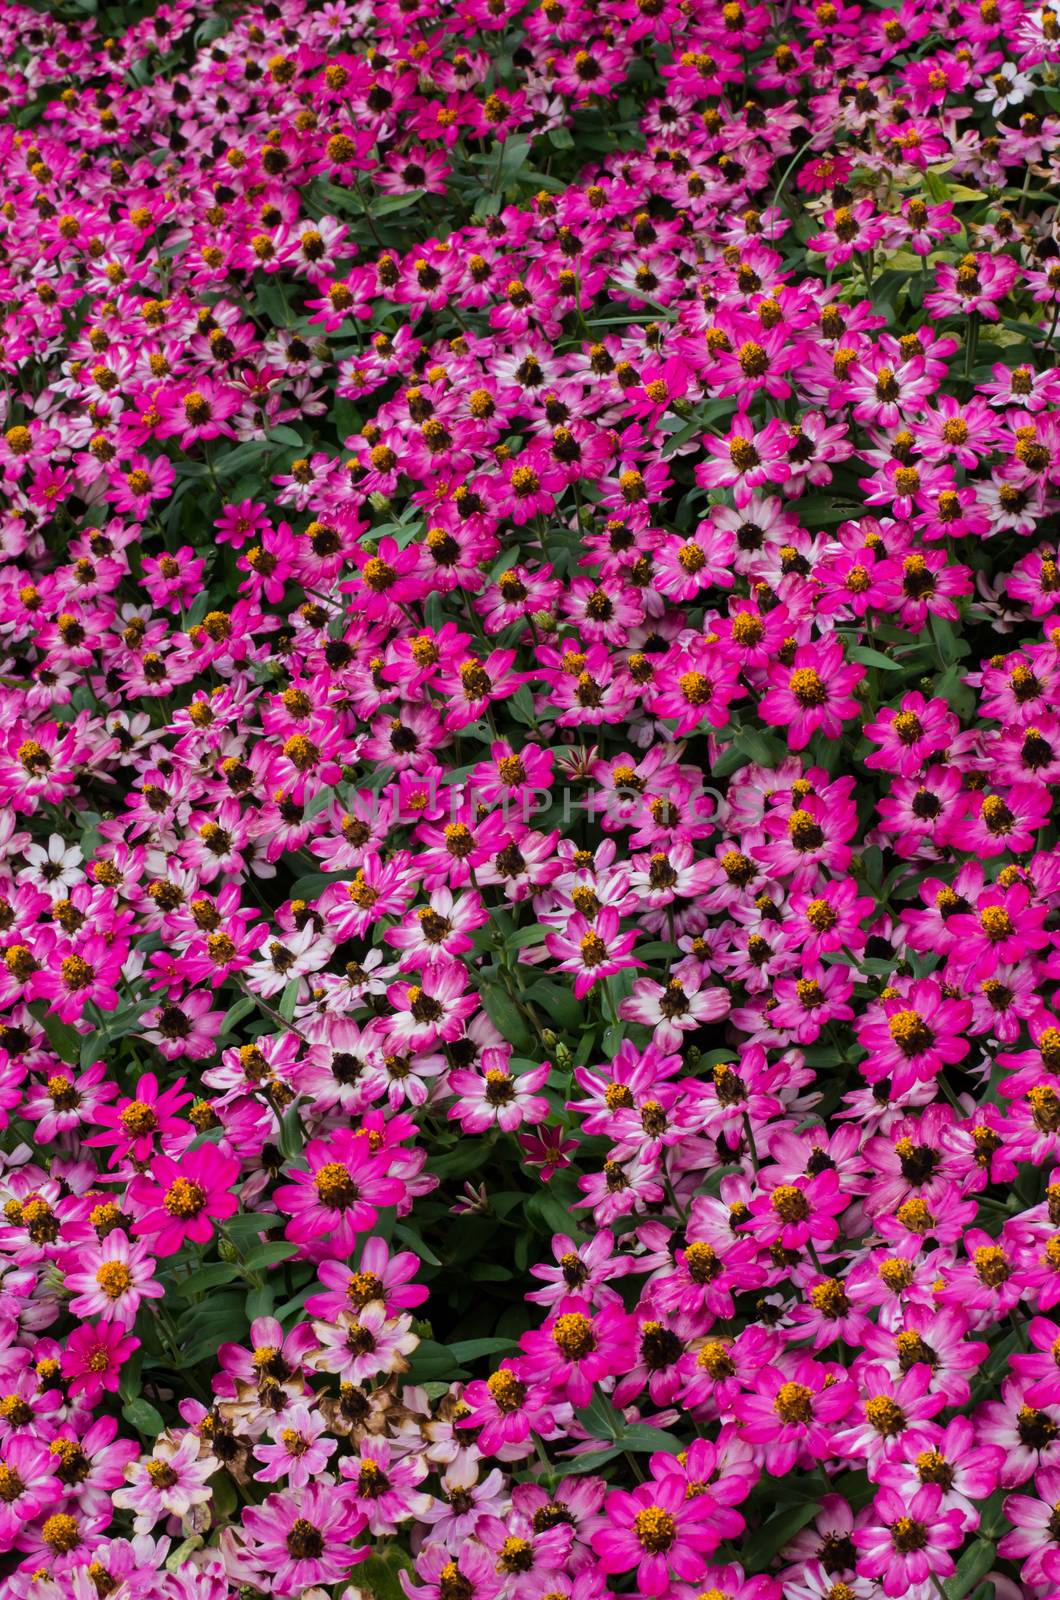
(813, 694)
(134, 1125)
(338, 1198)
(303, 1538)
(659, 1533)
(93, 1358)
(792, 1412)
(914, 1035)
(183, 1200)
(912, 1540)
(578, 1346)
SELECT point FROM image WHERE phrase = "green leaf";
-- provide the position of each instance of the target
(505, 1015)
(600, 1419)
(260, 1302)
(245, 1224)
(64, 1039)
(641, 1437)
(558, 1003)
(774, 1534)
(873, 658)
(209, 1277)
(591, 1460)
(224, 1501)
(237, 1012)
(141, 1415)
(176, 1558)
(408, 1236)
(949, 686)
(950, 646)
(466, 1155)
(388, 204)
(972, 1568)
(269, 1253)
(292, 1133)
(749, 744)
(289, 999)
(548, 1210)
(378, 1575)
(433, 1360)
(242, 456)
(471, 1349)
(129, 1380)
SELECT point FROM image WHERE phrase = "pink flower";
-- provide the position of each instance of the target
(93, 1358)
(383, 1485)
(27, 1468)
(183, 1200)
(792, 1214)
(659, 1533)
(578, 1346)
(506, 1408)
(498, 1098)
(792, 1412)
(170, 1482)
(592, 950)
(813, 694)
(134, 1125)
(298, 1452)
(910, 1543)
(338, 1198)
(915, 1035)
(112, 1279)
(1034, 1543)
(304, 1537)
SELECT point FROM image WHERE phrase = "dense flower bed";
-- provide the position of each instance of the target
(529, 899)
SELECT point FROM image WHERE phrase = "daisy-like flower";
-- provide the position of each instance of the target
(892, 1414)
(379, 1276)
(133, 1126)
(793, 1410)
(1035, 1541)
(55, 868)
(914, 1035)
(339, 1196)
(169, 1482)
(911, 1540)
(183, 1200)
(910, 736)
(94, 1356)
(592, 950)
(112, 1279)
(304, 1538)
(299, 1450)
(791, 1214)
(674, 1008)
(498, 1098)
(506, 1408)
(813, 694)
(578, 1346)
(435, 1008)
(829, 920)
(659, 1533)
(27, 1473)
(383, 1485)
(83, 972)
(364, 1344)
